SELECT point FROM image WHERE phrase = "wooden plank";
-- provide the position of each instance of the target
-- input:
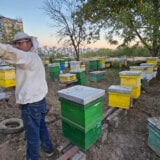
(69, 153)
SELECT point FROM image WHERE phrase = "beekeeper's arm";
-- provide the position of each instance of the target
(13, 55)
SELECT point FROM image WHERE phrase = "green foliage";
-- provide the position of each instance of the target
(129, 52)
(133, 21)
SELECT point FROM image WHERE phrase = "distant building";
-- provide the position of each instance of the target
(8, 28)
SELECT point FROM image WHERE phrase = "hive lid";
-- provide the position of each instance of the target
(66, 75)
(77, 71)
(130, 73)
(154, 58)
(98, 72)
(7, 68)
(81, 94)
(155, 121)
(53, 64)
(138, 67)
(147, 64)
(119, 88)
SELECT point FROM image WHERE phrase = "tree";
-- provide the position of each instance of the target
(70, 27)
(135, 21)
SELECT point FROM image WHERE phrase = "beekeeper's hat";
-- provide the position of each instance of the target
(21, 35)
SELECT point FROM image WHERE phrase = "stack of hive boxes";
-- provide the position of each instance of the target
(81, 112)
(7, 77)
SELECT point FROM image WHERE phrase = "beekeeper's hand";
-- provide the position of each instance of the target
(3, 49)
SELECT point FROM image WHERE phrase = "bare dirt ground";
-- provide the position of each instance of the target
(127, 141)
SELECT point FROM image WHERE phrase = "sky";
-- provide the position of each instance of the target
(35, 21)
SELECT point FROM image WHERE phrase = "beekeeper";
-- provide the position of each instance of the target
(31, 90)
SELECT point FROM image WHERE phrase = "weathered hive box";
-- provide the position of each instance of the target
(81, 112)
(97, 76)
(154, 134)
(7, 76)
(119, 96)
(67, 77)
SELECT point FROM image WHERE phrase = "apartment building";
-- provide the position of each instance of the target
(8, 28)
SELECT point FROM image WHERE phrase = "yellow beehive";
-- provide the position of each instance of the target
(83, 67)
(7, 74)
(67, 77)
(107, 64)
(102, 59)
(119, 96)
(7, 83)
(136, 92)
(46, 62)
(149, 67)
(130, 78)
(142, 69)
(152, 60)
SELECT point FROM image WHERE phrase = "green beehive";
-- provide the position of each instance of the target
(83, 139)
(81, 112)
(54, 70)
(81, 77)
(154, 134)
(96, 76)
(94, 65)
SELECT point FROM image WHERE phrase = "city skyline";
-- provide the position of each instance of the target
(36, 23)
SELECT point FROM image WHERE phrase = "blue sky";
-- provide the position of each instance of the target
(35, 21)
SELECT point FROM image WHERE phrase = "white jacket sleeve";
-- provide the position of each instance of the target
(14, 55)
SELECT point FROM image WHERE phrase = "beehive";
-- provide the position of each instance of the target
(83, 67)
(96, 76)
(81, 76)
(67, 77)
(149, 67)
(54, 70)
(102, 62)
(142, 69)
(81, 112)
(154, 134)
(7, 76)
(94, 65)
(75, 65)
(130, 78)
(119, 96)
(152, 60)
